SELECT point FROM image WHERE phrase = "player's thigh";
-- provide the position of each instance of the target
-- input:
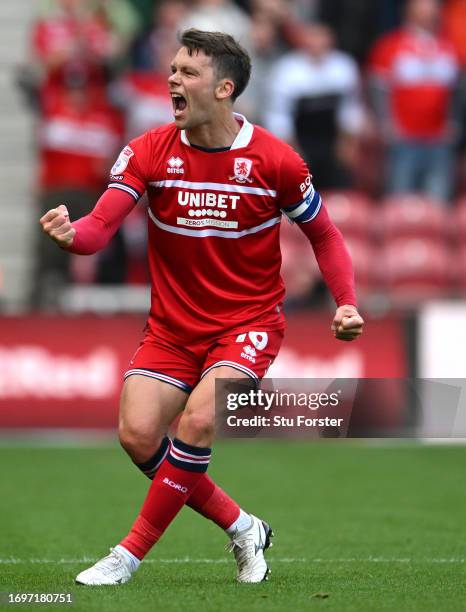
(247, 355)
(147, 408)
(197, 425)
(161, 374)
(244, 356)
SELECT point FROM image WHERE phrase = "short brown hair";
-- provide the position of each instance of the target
(228, 56)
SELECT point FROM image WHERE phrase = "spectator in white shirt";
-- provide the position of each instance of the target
(314, 103)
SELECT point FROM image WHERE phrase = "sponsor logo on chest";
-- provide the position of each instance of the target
(206, 208)
(198, 199)
(202, 207)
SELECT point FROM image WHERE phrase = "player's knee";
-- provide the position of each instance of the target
(139, 443)
(200, 425)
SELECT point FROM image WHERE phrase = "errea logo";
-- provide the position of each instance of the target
(175, 165)
(250, 350)
(249, 353)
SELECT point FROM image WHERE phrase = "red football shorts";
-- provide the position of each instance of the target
(251, 352)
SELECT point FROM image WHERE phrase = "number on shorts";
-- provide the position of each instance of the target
(258, 339)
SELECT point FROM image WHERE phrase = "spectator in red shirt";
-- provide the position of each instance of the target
(142, 94)
(78, 134)
(72, 34)
(454, 25)
(413, 75)
(143, 91)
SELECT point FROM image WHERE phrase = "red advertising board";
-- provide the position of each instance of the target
(310, 350)
(67, 371)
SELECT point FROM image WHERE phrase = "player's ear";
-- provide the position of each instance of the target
(224, 89)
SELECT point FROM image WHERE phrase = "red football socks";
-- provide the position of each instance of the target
(174, 482)
(208, 499)
(212, 502)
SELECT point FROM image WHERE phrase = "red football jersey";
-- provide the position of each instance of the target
(77, 141)
(64, 36)
(214, 222)
(420, 71)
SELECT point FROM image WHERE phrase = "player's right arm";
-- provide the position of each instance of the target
(94, 231)
(56, 224)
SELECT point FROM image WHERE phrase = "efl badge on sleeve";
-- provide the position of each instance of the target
(123, 160)
(242, 170)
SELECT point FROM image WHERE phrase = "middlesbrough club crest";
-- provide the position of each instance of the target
(242, 170)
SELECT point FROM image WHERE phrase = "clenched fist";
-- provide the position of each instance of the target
(347, 323)
(56, 223)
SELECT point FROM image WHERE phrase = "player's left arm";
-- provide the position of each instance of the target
(337, 270)
(327, 242)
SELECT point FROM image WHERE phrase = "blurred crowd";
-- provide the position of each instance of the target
(370, 92)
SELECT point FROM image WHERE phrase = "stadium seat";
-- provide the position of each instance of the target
(412, 269)
(299, 279)
(412, 215)
(362, 253)
(299, 268)
(352, 212)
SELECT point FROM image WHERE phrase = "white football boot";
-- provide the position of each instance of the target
(111, 570)
(248, 546)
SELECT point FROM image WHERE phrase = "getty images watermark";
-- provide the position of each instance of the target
(339, 408)
(277, 400)
(281, 408)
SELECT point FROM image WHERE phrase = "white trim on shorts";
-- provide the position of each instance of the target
(235, 366)
(159, 376)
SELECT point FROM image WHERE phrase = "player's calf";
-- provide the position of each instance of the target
(208, 499)
(150, 467)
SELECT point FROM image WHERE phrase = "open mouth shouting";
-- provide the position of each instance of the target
(179, 104)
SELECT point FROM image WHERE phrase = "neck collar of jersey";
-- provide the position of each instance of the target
(243, 137)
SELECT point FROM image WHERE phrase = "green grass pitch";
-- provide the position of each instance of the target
(358, 526)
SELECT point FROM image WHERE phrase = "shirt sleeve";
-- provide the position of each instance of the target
(332, 257)
(95, 230)
(381, 57)
(302, 204)
(129, 172)
(297, 197)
